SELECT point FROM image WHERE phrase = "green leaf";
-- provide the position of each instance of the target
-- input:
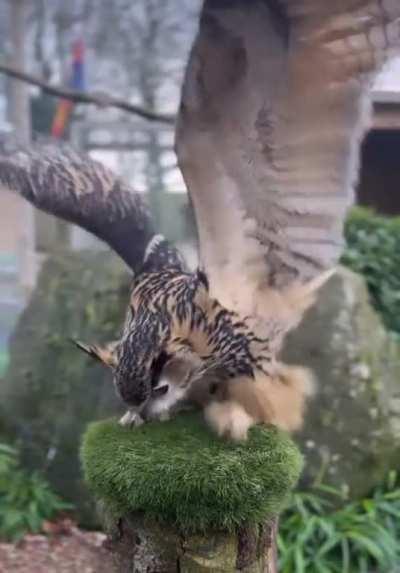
(372, 548)
(26, 500)
(299, 561)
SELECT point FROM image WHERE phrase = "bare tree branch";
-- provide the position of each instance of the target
(99, 99)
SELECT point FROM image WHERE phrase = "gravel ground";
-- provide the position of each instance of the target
(74, 551)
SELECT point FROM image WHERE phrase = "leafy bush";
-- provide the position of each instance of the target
(26, 500)
(373, 249)
(360, 537)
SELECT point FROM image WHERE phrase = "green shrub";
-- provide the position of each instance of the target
(360, 537)
(373, 249)
(26, 500)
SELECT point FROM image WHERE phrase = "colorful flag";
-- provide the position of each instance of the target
(65, 106)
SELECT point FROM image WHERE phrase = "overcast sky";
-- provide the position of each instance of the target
(390, 77)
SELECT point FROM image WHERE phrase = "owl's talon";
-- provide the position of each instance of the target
(131, 419)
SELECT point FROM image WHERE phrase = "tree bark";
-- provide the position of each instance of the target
(21, 119)
(142, 546)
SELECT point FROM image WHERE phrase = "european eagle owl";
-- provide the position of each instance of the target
(274, 107)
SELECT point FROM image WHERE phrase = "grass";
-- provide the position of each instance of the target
(315, 536)
(180, 473)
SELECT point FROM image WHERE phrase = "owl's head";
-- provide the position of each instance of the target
(138, 371)
(137, 366)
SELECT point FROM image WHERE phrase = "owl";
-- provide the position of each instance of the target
(275, 103)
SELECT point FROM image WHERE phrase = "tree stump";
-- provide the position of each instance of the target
(143, 546)
(175, 498)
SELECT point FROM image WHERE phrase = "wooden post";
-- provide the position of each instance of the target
(174, 498)
(141, 546)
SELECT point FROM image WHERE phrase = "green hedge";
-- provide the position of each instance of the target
(373, 249)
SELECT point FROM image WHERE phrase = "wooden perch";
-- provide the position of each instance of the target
(141, 545)
(99, 99)
(175, 498)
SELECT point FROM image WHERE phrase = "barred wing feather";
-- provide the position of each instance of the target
(274, 107)
(80, 190)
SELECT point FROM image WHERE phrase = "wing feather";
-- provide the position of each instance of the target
(80, 190)
(269, 132)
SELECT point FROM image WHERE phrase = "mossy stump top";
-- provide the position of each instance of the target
(179, 473)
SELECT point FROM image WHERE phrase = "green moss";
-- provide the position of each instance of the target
(180, 473)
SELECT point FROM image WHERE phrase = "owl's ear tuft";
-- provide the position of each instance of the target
(105, 355)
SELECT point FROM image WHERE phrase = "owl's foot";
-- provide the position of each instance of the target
(229, 420)
(131, 419)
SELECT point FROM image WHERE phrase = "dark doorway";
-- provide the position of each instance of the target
(379, 186)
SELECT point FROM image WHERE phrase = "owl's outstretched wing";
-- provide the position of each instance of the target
(80, 190)
(274, 107)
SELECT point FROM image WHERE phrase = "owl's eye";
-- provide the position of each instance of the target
(157, 367)
(159, 391)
